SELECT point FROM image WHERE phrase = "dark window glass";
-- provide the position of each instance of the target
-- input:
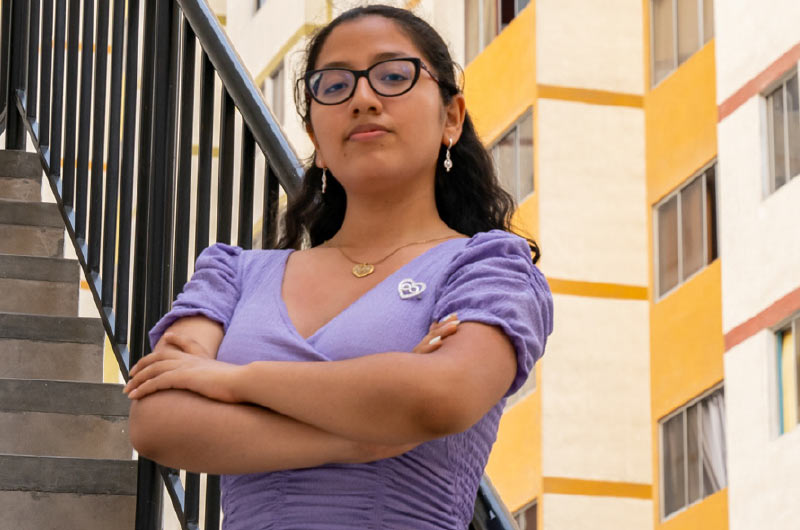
(692, 227)
(711, 212)
(525, 129)
(663, 39)
(688, 29)
(668, 245)
(673, 464)
(778, 158)
(693, 453)
(793, 119)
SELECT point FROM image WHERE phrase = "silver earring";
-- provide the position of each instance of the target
(324, 179)
(448, 163)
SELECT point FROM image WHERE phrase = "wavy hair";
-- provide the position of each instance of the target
(469, 198)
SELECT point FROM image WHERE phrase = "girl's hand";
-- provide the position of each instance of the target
(437, 332)
(176, 363)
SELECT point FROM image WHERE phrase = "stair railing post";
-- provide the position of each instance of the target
(17, 73)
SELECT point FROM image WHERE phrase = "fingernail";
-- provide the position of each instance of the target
(434, 340)
(448, 317)
(454, 323)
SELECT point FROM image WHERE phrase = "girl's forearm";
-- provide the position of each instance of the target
(383, 398)
(184, 430)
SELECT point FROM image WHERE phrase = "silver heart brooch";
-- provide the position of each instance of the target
(408, 288)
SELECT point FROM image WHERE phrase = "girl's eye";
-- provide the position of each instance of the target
(394, 77)
(335, 87)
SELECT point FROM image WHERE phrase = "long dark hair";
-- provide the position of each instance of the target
(469, 198)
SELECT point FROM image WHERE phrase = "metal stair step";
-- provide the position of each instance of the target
(20, 176)
(38, 285)
(62, 418)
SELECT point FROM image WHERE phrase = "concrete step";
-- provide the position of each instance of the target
(20, 176)
(33, 510)
(64, 418)
(47, 347)
(31, 229)
(67, 493)
(37, 285)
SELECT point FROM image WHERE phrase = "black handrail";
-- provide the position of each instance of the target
(55, 89)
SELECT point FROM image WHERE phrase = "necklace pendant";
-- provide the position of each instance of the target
(363, 269)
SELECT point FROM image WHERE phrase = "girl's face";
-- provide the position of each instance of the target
(375, 143)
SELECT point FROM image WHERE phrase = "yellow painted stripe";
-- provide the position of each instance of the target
(590, 96)
(411, 4)
(223, 19)
(303, 31)
(214, 151)
(597, 488)
(598, 290)
(84, 285)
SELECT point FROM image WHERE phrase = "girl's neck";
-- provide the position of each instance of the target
(390, 221)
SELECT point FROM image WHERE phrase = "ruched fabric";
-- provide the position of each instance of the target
(487, 278)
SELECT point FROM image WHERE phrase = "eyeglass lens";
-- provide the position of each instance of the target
(388, 78)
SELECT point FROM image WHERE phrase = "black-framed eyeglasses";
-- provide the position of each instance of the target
(393, 77)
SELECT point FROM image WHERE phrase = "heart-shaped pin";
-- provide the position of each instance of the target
(408, 288)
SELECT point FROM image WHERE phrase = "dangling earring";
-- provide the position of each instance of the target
(324, 179)
(448, 163)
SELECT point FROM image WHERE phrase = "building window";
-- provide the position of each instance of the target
(788, 349)
(526, 517)
(693, 453)
(686, 231)
(276, 81)
(260, 4)
(484, 19)
(513, 158)
(783, 131)
(678, 28)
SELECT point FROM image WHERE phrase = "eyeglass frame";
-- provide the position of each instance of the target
(358, 74)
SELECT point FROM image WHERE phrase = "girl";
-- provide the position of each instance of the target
(407, 226)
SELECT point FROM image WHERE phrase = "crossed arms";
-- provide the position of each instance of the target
(193, 412)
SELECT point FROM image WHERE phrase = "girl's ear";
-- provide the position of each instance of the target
(455, 111)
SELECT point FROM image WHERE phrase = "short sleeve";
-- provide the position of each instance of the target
(493, 280)
(213, 291)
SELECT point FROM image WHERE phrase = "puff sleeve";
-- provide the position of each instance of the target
(494, 281)
(213, 291)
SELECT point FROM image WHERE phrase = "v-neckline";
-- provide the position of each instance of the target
(284, 310)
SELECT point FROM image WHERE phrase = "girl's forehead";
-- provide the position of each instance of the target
(359, 42)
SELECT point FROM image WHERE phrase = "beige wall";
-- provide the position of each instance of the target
(590, 44)
(592, 192)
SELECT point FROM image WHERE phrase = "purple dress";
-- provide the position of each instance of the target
(487, 278)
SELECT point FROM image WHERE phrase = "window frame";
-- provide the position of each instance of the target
(793, 324)
(514, 127)
(499, 27)
(701, 38)
(702, 174)
(276, 76)
(781, 83)
(533, 504)
(683, 409)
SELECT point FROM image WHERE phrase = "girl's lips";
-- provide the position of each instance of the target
(366, 135)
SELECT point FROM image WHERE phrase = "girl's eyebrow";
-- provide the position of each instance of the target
(375, 59)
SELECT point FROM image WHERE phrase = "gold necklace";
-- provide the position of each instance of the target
(363, 268)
